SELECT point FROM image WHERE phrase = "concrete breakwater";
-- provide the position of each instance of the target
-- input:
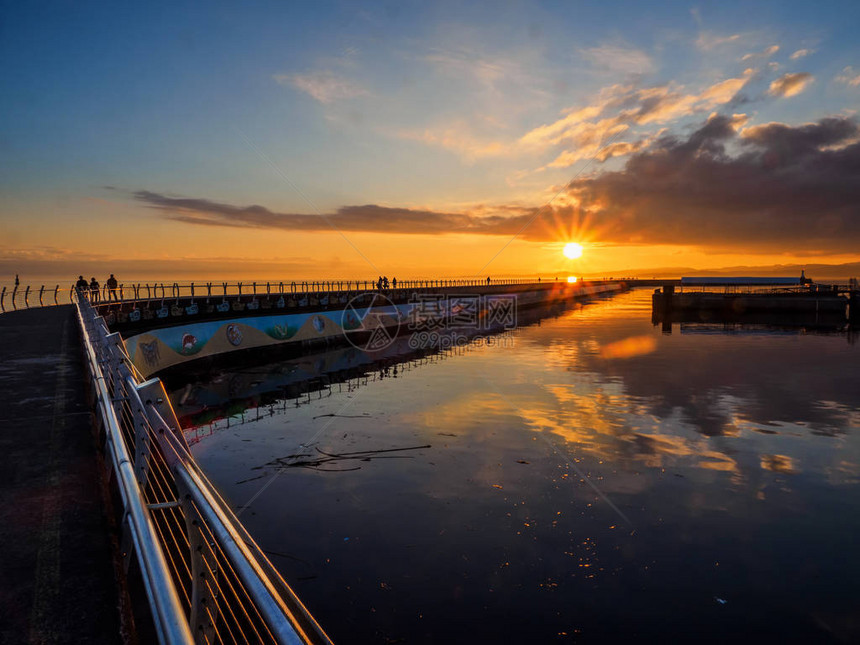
(813, 305)
(184, 331)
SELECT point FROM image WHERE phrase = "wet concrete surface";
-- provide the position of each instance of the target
(57, 573)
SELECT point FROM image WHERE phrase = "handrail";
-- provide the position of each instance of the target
(168, 614)
(144, 292)
(219, 586)
(234, 542)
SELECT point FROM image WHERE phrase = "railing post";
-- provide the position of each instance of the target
(41, 291)
(142, 441)
(203, 591)
(2, 297)
(56, 291)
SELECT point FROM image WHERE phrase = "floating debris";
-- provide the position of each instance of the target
(329, 457)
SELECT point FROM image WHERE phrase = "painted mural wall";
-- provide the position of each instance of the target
(158, 349)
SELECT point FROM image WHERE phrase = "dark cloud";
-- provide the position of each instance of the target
(774, 187)
(787, 188)
(368, 217)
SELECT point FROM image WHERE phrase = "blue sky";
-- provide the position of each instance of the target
(435, 107)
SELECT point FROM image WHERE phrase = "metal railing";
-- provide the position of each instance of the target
(206, 580)
(27, 297)
(175, 290)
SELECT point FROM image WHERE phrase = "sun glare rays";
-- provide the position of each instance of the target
(572, 250)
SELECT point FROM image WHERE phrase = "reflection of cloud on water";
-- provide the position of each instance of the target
(771, 381)
(660, 451)
(845, 472)
(629, 347)
(718, 461)
(779, 464)
(772, 378)
(601, 421)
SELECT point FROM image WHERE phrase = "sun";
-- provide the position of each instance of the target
(573, 250)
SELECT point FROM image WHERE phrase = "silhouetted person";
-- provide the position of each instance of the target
(82, 283)
(17, 282)
(94, 289)
(379, 283)
(394, 283)
(488, 279)
(385, 282)
(112, 285)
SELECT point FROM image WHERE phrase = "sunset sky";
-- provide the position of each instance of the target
(310, 140)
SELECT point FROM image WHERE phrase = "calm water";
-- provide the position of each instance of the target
(586, 479)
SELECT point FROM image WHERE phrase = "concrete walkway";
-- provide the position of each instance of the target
(57, 577)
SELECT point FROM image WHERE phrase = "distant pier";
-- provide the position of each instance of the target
(790, 301)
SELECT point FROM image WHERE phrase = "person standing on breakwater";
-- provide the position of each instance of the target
(112, 285)
(94, 290)
(82, 283)
(17, 282)
(393, 283)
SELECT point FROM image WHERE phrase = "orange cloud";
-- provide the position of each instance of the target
(790, 84)
(587, 134)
